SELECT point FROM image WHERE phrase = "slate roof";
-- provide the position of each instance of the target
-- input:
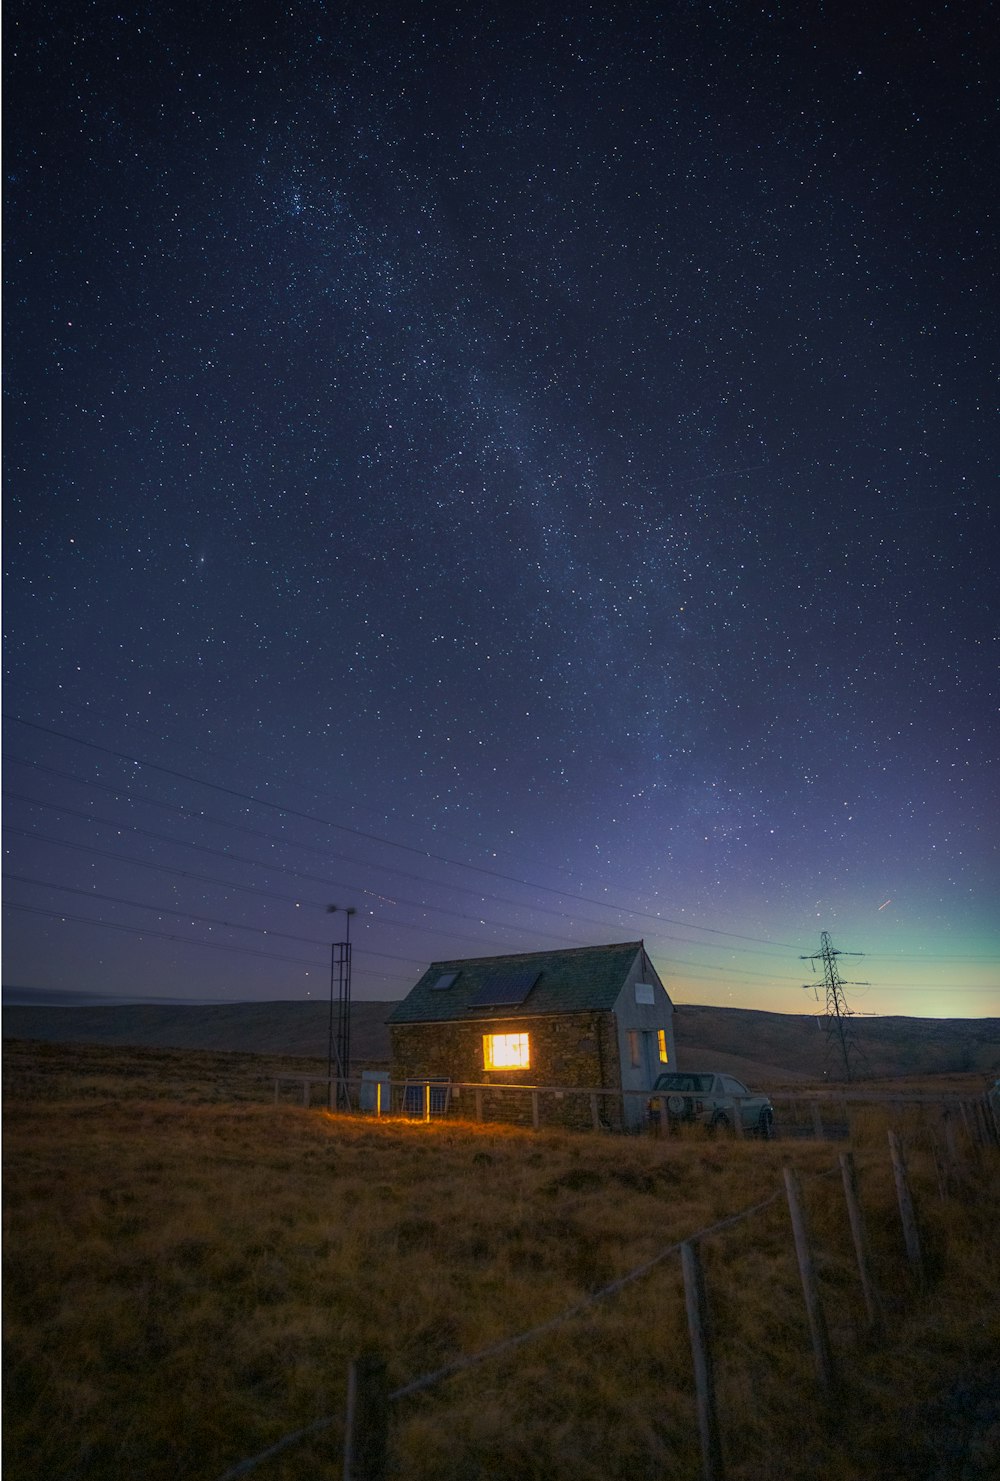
(586, 978)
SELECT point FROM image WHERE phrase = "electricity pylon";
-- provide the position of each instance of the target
(838, 1014)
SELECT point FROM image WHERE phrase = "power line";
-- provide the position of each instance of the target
(145, 799)
(388, 842)
(64, 915)
(192, 916)
(326, 853)
(888, 956)
(340, 884)
(673, 961)
(131, 796)
(398, 924)
(477, 893)
(273, 894)
(90, 711)
(706, 971)
(271, 865)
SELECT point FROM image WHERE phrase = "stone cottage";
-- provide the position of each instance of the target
(594, 1017)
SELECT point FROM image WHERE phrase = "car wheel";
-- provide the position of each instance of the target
(676, 1105)
(719, 1122)
(765, 1124)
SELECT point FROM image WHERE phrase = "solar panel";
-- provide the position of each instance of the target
(505, 988)
(445, 980)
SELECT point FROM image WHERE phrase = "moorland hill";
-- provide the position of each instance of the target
(758, 1046)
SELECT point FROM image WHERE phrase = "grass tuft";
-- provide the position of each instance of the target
(188, 1275)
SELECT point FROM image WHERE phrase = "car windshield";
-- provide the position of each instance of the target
(696, 1084)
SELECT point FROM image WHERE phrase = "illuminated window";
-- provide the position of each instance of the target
(661, 1039)
(506, 1052)
(634, 1047)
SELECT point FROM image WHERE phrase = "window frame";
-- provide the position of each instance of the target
(524, 1046)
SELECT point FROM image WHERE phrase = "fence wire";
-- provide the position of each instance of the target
(506, 1344)
(246, 1466)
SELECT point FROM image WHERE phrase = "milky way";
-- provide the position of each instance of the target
(526, 476)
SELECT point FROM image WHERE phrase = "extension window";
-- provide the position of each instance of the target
(506, 1052)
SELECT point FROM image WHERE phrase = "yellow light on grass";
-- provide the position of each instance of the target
(506, 1052)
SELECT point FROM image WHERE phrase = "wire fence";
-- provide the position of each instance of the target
(370, 1402)
(506, 1344)
(826, 1115)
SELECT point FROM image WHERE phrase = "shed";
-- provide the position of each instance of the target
(593, 1017)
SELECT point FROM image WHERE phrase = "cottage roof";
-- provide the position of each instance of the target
(586, 978)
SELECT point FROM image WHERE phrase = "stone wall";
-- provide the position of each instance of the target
(573, 1049)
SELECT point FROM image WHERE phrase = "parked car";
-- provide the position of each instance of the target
(711, 1099)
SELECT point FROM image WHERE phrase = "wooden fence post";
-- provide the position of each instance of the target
(810, 1289)
(906, 1214)
(427, 1100)
(366, 1432)
(704, 1373)
(860, 1237)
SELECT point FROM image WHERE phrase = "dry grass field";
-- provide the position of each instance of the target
(189, 1270)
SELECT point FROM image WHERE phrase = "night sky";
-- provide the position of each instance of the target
(524, 472)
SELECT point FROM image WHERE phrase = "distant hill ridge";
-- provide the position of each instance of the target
(748, 1042)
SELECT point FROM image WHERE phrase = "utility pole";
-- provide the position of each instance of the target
(340, 976)
(838, 1014)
